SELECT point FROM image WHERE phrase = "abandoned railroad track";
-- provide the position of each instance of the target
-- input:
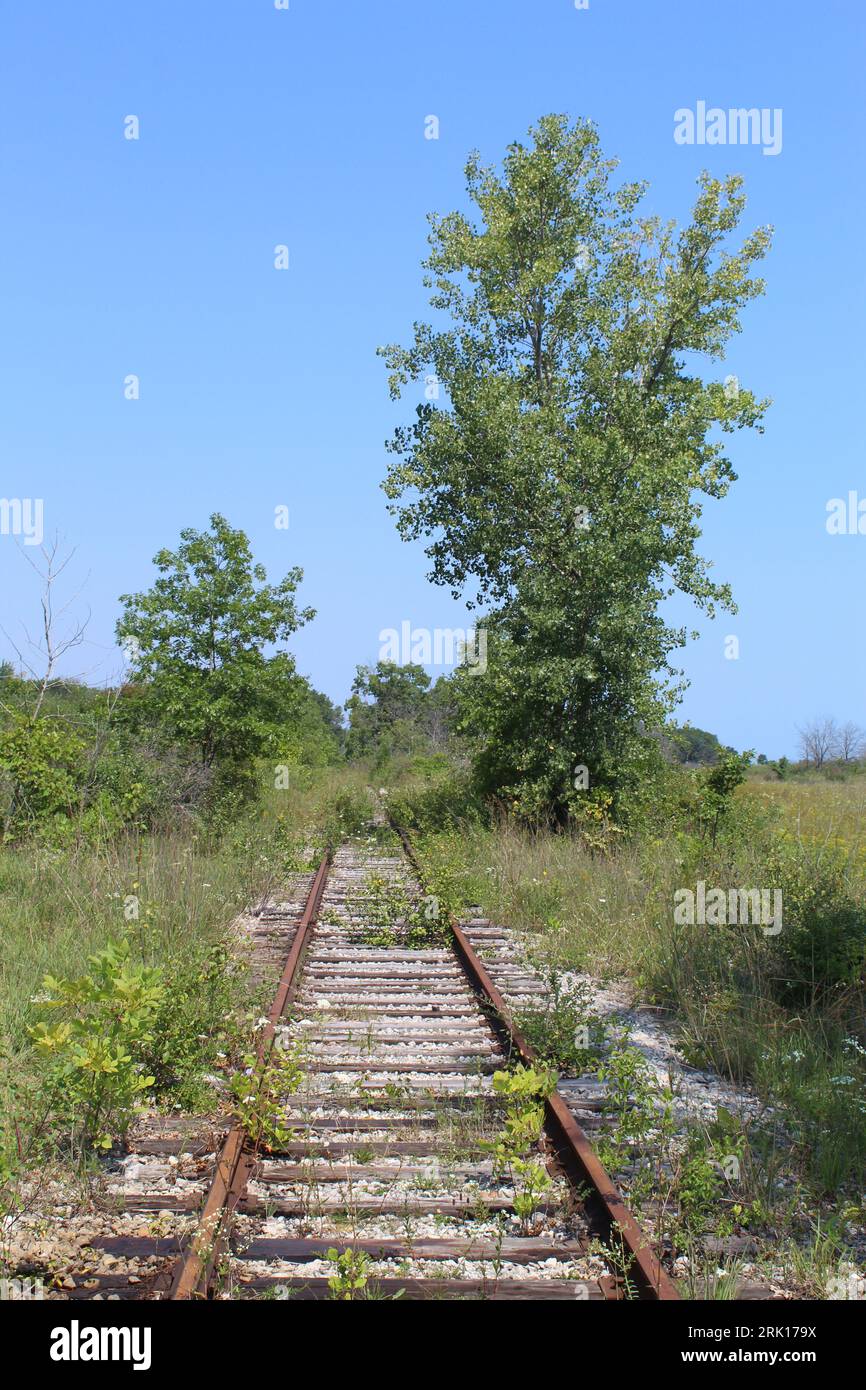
(376, 1167)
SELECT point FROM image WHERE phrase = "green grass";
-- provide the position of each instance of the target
(58, 905)
(824, 812)
(757, 1010)
(785, 1015)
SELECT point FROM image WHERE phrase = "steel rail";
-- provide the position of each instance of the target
(194, 1271)
(573, 1148)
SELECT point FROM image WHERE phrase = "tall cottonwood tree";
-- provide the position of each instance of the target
(560, 478)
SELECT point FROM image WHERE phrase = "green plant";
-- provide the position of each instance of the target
(700, 1181)
(716, 791)
(717, 1282)
(352, 1271)
(94, 1054)
(385, 710)
(197, 641)
(639, 1134)
(562, 476)
(629, 1100)
(822, 944)
(348, 815)
(562, 1029)
(41, 771)
(196, 1022)
(259, 1094)
(523, 1091)
(392, 917)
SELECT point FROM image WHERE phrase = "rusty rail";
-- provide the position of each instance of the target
(194, 1270)
(573, 1147)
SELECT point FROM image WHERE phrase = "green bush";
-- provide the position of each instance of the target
(445, 802)
(93, 1055)
(41, 771)
(563, 1029)
(350, 814)
(193, 1024)
(822, 945)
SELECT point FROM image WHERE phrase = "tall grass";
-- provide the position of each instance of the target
(173, 894)
(825, 813)
(785, 1014)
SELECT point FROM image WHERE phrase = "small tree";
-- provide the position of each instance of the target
(850, 742)
(819, 741)
(718, 785)
(198, 639)
(58, 635)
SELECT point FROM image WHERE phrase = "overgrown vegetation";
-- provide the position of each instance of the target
(561, 479)
(136, 822)
(93, 1077)
(205, 701)
(148, 1001)
(782, 1012)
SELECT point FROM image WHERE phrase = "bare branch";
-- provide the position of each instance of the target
(52, 644)
(819, 741)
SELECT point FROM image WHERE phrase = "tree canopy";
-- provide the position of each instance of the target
(199, 642)
(561, 478)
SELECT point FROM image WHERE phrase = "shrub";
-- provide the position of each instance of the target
(41, 768)
(822, 945)
(563, 1030)
(444, 802)
(192, 1024)
(523, 1092)
(93, 1056)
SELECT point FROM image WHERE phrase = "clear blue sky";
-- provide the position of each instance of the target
(261, 388)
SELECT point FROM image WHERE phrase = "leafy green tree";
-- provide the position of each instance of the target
(691, 745)
(198, 643)
(385, 709)
(560, 477)
(440, 713)
(315, 736)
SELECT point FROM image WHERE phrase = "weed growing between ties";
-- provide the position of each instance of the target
(523, 1091)
(389, 915)
(352, 1279)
